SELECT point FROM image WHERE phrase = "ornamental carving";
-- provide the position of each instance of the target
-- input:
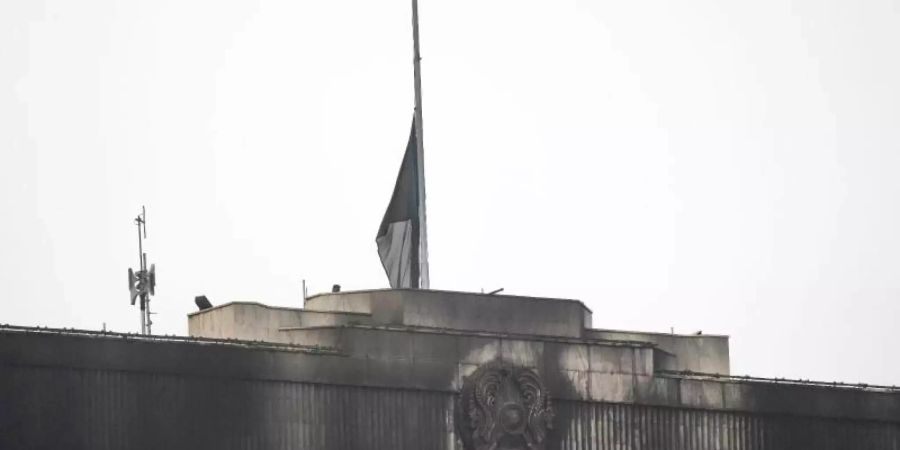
(504, 407)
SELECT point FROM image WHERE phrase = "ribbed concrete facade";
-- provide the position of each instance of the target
(59, 408)
(391, 369)
(46, 407)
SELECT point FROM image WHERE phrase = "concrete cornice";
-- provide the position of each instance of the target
(437, 291)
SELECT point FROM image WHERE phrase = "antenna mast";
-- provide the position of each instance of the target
(142, 284)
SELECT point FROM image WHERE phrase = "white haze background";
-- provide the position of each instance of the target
(725, 166)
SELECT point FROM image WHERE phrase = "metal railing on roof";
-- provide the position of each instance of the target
(779, 381)
(259, 345)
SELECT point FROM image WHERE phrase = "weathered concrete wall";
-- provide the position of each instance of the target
(602, 426)
(573, 369)
(257, 322)
(462, 311)
(392, 359)
(73, 409)
(52, 408)
(695, 353)
(117, 392)
(216, 323)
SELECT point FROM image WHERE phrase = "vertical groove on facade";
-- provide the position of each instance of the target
(88, 409)
(633, 427)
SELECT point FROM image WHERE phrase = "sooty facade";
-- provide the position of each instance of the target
(403, 369)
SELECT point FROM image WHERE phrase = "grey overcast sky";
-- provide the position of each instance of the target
(725, 166)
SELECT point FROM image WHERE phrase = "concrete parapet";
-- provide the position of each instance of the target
(574, 369)
(257, 322)
(462, 311)
(705, 353)
(457, 312)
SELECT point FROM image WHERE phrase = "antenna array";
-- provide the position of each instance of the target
(142, 284)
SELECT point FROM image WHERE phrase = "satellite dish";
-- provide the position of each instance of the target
(132, 288)
(152, 279)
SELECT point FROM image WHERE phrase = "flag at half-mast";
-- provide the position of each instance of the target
(402, 237)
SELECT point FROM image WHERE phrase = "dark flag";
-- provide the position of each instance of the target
(401, 237)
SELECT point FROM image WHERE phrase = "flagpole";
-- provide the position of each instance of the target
(423, 278)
